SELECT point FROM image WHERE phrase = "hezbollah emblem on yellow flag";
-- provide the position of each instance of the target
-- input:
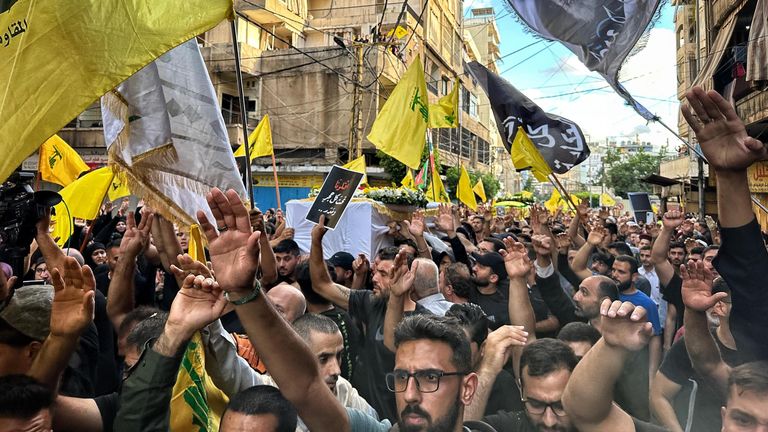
(260, 141)
(59, 163)
(401, 125)
(444, 114)
(464, 190)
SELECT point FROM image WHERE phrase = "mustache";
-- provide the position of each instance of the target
(415, 409)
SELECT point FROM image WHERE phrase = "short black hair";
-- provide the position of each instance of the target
(608, 288)
(497, 244)
(147, 329)
(709, 248)
(305, 285)
(438, 329)
(676, 245)
(604, 258)
(621, 247)
(264, 399)
(720, 286)
(698, 250)
(751, 376)
(308, 323)
(114, 244)
(21, 397)
(579, 332)
(131, 318)
(646, 247)
(287, 246)
(409, 242)
(387, 253)
(633, 266)
(544, 356)
(612, 228)
(455, 277)
(473, 319)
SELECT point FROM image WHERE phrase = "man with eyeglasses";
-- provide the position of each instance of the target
(546, 367)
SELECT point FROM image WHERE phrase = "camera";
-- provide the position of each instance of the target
(20, 210)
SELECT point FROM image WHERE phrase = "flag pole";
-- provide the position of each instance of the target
(244, 120)
(274, 172)
(556, 183)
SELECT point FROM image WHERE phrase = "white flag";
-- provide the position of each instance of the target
(163, 126)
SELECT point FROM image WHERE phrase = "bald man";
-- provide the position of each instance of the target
(288, 300)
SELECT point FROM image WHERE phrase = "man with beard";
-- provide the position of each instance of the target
(667, 256)
(490, 278)
(648, 271)
(624, 273)
(369, 307)
(287, 255)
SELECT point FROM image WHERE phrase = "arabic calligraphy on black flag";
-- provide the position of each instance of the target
(559, 140)
(334, 196)
(602, 33)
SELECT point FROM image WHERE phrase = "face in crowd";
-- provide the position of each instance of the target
(286, 263)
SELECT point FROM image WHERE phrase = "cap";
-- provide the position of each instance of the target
(29, 311)
(493, 260)
(342, 259)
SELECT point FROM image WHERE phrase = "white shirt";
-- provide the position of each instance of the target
(656, 295)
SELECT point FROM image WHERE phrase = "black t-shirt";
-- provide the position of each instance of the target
(79, 378)
(107, 372)
(494, 305)
(672, 293)
(375, 359)
(505, 395)
(510, 421)
(108, 405)
(706, 410)
(351, 335)
(631, 389)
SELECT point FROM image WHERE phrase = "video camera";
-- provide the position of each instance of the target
(20, 210)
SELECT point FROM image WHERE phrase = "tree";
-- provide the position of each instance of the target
(490, 182)
(625, 175)
(528, 186)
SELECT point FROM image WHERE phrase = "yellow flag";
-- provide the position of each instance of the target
(58, 56)
(444, 114)
(401, 125)
(118, 188)
(407, 181)
(606, 200)
(479, 189)
(526, 195)
(196, 249)
(464, 190)
(81, 199)
(436, 191)
(59, 163)
(526, 156)
(553, 202)
(399, 32)
(358, 165)
(260, 140)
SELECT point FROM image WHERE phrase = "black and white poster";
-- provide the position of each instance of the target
(334, 196)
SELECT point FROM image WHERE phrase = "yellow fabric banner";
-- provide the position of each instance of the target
(260, 140)
(58, 56)
(464, 190)
(436, 191)
(479, 189)
(401, 125)
(119, 187)
(606, 200)
(80, 199)
(358, 165)
(59, 163)
(553, 202)
(407, 181)
(526, 156)
(196, 249)
(444, 114)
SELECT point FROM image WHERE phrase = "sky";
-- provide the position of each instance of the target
(547, 70)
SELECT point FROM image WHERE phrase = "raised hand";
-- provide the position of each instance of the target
(187, 265)
(542, 244)
(597, 235)
(257, 220)
(234, 247)
(563, 242)
(582, 209)
(516, 260)
(200, 301)
(401, 278)
(672, 219)
(416, 225)
(444, 221)
(720, 131)
(498, 346)
(319, 230)
(624, 325)
(73, 298)
(360, 265)
(697, 287)
(288, 233)
(136, 239)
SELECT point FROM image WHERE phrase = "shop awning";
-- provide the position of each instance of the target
(715, 54)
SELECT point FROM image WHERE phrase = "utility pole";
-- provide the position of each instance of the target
(355, 148)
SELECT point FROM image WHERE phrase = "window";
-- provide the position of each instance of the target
(483, 151)
(680, 37)
(473, 105)
(446, 86)
(433, 34)
(248, 33)
(230, 108)
(465, 99)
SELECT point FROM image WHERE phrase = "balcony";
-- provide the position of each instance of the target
(753, 107)
(220, 58)
(681, 168)
(288, 17)
(721, 9)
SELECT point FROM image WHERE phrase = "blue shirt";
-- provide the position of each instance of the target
(640, 299)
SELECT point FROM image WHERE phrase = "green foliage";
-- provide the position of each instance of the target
(490, 182)
(396, 169)
(624, 175)
(593, 199)
(528, 186)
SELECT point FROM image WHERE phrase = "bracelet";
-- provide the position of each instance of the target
(249, 298)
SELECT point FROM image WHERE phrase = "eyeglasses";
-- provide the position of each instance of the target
(427, 381)
(538, 407)
(40, 270)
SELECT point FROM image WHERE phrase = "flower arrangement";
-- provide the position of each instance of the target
(396, 196)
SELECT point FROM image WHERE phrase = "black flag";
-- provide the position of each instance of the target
(559, 140)
(602, 33)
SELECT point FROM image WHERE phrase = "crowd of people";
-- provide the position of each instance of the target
(575, 321)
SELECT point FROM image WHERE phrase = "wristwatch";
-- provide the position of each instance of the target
(249, 298)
